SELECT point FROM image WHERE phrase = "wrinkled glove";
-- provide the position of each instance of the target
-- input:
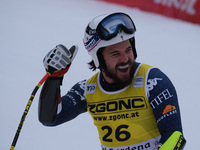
(58, 61)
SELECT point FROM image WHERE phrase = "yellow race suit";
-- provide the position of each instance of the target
(124, 118)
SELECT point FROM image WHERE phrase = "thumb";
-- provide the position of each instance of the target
(73, 50)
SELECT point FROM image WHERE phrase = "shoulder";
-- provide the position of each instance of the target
(156, 76)
(93, 78)
(79, 86)
(157, 83)
(153, 73)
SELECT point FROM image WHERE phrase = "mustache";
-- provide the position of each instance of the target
(123, 64)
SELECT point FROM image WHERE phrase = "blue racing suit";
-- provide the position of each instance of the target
(162, 96)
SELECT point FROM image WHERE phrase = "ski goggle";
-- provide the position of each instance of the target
(113, 24)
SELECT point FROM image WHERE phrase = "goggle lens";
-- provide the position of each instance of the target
(110, 26)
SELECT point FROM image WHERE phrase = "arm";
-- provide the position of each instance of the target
(71, 105)
(48, 101)
(56, 62)
(164, 102)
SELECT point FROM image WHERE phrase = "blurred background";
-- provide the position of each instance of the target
(30, 28)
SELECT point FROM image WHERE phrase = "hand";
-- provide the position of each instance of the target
(175, 142)
(59, 59)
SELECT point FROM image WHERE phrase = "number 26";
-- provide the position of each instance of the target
(118, 133)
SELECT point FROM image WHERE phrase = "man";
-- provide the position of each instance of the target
(133, 105)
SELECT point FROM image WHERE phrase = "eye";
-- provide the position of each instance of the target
(128, 50)
(115, 54)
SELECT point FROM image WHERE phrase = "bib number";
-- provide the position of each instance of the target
(120, 133)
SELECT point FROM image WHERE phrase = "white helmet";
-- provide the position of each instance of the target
(105, 30)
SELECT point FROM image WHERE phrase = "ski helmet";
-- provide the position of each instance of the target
(106, 30)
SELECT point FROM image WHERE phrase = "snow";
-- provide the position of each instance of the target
(30, 28)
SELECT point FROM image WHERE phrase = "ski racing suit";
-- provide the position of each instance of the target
(142, 115)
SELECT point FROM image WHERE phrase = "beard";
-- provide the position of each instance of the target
(124, 81)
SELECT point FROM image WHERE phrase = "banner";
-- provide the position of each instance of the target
(188, 10)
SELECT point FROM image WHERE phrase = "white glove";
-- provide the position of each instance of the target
(59, 59)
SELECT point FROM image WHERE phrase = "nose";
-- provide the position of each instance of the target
(124, 58)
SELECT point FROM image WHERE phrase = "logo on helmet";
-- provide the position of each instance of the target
(92, 42)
